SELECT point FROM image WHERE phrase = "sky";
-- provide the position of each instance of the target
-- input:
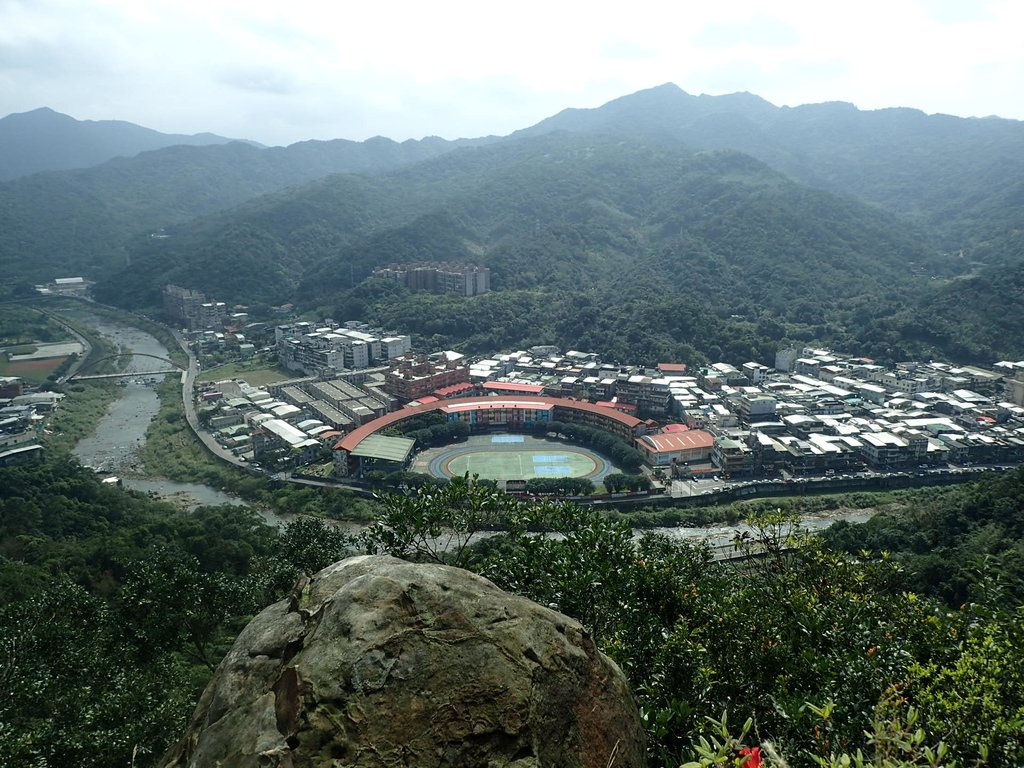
(282, 71)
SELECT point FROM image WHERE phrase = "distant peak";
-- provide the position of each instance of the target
(41, 112)
(665, 90)
(668, 88)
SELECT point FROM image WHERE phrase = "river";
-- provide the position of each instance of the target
(723, 535)
(114, 446)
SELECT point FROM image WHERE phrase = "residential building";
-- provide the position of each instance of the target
(414, 376)
(439, 277)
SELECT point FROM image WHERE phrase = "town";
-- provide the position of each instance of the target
(813, 414)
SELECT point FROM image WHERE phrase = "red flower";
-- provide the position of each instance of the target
(753, 757)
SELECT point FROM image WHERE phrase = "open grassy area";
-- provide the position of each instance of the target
(84, 405)
(32, 372)
(257, 373)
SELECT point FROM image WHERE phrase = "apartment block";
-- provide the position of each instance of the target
(439, 277)
(414, 376)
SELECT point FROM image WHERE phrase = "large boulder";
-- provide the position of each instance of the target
(380, 662)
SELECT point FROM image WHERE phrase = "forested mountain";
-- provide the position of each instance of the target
(625, 223)
(962, 177)
(55, 224)
(816, 223)
(44, 140)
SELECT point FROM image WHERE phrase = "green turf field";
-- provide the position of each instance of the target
(523, 464)
(511, 457)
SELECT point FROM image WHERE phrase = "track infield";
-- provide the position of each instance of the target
(512, 457)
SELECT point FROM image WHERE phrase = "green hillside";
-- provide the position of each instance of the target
(645, 231)
(958, 176)
(82, 222)
(44, 140)
(115, 608)
(819, 223)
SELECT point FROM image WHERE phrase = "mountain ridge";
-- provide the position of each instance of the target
(46, 140)
(790, 200)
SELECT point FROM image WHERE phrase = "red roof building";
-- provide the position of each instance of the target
(414, 376)
(509, 388)
(511, 411)
(689, 445)
(454, 390)
(669, 428)
(672, 367)
(615, 405)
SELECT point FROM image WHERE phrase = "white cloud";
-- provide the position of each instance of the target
(281, 72)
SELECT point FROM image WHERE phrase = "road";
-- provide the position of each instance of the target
(188, 402)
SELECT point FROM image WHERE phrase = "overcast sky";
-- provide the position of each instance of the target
(281, 71)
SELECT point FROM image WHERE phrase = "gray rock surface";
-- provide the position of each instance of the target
(379, 662)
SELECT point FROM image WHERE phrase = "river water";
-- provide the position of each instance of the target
(114, 446)
(723, 535)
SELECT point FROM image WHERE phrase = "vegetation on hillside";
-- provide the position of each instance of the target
(651, 251)
(813, 644)
(643, 207)
(116, 607)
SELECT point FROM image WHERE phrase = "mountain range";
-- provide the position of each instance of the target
(760, 224)
(44, 140)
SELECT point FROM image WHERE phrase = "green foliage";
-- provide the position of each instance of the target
(435, 434)
(974, 693)
(617, 482)
(895, 741)
(115, 607)
(77, 690)
(945, 539)
(562, 486)
(569, 558)
(309, 544)
(436, 523)
(23, 325)
(826, 654)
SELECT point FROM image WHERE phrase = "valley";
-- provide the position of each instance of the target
(739, 387)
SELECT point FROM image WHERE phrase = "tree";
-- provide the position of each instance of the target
(76, 692)
(168, 602)
(308, 544)
(436, 523)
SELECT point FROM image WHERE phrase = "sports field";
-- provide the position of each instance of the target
(32, 371)
(512, 457)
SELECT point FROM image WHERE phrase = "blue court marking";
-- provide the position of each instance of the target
(540, 458)
(558, 470)
(507, 439)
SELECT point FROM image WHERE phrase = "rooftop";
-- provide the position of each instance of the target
(689, 440)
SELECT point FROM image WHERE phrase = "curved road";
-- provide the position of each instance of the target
(188, 401)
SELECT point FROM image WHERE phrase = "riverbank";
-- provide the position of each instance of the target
(85, 402)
